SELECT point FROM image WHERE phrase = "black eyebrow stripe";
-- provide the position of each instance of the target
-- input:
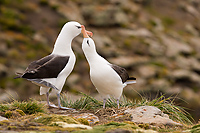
(78, 27)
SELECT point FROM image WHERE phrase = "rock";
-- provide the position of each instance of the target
(128, 6)
(194, 41)
(185, 74)
(140, 32)
(127, 61)
(190, 28)
(151, 115)
(68, 9)
(160, 84)
(159, 26)
(190, 96)
(175, 47)
(3, 49)
(3, 118)
(66, 125)
(40, 38)
(174, 89)
(3, 71)
(155, 48)
(119, 131)
(189, 63)
(106, 15)
(190, 9)
(147, 71)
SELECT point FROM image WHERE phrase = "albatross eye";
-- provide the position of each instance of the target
(88, 43)
(78, 27)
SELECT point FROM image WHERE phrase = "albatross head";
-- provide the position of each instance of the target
(73, 28)
(88, 44)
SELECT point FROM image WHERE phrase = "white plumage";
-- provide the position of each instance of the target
(52, 70)
(109, 79)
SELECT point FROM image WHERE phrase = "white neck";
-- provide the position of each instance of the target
(63, 44)
(94, 58)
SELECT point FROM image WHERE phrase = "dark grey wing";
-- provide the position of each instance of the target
(121, 72)
(47, 67)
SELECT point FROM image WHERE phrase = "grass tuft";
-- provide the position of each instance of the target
(195, 129)
(4, 107)
(85, 102)
(166, 105)
(27, 107)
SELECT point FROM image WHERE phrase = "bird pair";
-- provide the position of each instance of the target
(52, 70)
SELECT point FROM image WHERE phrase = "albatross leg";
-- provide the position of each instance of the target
(59, 105)
(48, 103)
(104, 103)
(118, 103)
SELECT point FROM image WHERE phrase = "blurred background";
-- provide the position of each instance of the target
(157, 41)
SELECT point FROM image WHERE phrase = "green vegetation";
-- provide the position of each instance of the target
(85, 102)
(111, 126)
(3, 108)
(166, 105)
(50, 119)
(29, 107)
(195, 129)
(31, 110)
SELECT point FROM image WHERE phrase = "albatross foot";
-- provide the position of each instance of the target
(65, 108)
(53, 106)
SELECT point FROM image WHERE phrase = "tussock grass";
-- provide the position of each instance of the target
(195, 129)
(28, 107)
(85, 102)
(166, 105)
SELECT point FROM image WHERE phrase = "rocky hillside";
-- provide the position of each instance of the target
(157, 41)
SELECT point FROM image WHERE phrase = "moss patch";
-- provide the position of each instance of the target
(83, 121)
(49, 119)
(112, 126)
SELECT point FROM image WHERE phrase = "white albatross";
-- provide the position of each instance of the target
(109, 79)
(52, 70)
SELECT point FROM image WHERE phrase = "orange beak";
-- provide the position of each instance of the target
(85, 32)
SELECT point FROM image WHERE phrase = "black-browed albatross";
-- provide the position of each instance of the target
(109, 79)
(52, 70)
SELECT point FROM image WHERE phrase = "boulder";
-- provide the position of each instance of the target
(185, 74)
(151, 115)
(175, 46)
(140, 32)
(104, 15)
(3, 49)
(127, 61)
(155, 48)
(69, 10)
(3, 118)
(147, 71)
(3, 71)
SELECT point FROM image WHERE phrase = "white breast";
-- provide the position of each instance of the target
(106, 80)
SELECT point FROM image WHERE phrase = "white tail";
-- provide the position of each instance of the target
(130, 82)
